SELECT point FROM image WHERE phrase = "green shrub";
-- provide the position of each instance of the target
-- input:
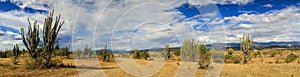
(230, 51)
(2, 54)
(228, 58)
(135, 54)
(205, 56)
(39, 63)
(291, 57)
(145, 55)
(62, 52)
(177, 52)
(272, 54)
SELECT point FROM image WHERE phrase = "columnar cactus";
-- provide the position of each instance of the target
(168, 55)
(245, 46)
(16, 52)
(50, 32)
(31, 40)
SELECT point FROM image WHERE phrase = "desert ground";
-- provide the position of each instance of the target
(264, 66)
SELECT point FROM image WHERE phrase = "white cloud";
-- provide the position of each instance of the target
(205, 2)
(102, 16)
(278, 25)
(268, 5)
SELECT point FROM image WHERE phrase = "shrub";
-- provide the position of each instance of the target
(228, 58)
(272, 54)
(177, 52)
(291, 57)
(39, 63)
(105, 54)
(230, 51)
(205, 56)
(2, 54)
(135, 54)
(145, 55)
(62, 52)
(237, 59)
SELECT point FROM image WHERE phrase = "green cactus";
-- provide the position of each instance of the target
(16, 53)
(167, 50)
(245, 46)
(50, 32)
(31, 40)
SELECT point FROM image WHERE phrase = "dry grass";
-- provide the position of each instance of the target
(255, 68)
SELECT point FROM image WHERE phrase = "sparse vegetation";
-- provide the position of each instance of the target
(62, 52)
(137, 54)
(191, 51)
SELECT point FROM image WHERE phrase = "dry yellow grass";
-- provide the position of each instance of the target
(255, 68)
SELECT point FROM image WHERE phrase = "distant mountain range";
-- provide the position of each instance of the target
(259, 45)
(236, 46)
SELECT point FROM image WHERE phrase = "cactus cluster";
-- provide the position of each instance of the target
(50, 31)
(245, 46)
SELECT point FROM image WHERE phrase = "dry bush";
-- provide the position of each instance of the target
(237, 59)
(31, 63)
(39, 63)
(291, 57)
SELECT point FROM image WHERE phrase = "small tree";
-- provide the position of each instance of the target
(245, 46)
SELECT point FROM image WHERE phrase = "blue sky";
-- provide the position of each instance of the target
(120, 23)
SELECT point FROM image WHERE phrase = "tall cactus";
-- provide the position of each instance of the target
(31, 40)
(16, 53)
(245, 46)
(50, 32)
(168, 55)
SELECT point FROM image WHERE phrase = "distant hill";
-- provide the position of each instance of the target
(236, 46)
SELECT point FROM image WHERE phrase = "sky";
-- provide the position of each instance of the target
(142, 24)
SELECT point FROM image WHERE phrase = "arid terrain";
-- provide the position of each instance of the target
(264, 66)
